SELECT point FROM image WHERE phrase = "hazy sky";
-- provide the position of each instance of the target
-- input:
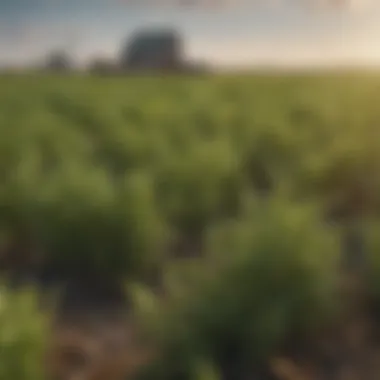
(243, 32)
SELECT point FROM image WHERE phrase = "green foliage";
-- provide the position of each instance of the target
(371, 232)
(105, 174)
(268, 276)
(85, 161)
(278, 268)
(23, 330)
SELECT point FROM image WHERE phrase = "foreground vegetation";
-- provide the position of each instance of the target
(235, 189)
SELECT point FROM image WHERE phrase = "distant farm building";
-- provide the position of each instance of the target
(154, 50)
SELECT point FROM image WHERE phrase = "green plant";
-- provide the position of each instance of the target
(269, 276)
(23, 331)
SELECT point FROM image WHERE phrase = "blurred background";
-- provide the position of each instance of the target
(189, 190)
(227, 34)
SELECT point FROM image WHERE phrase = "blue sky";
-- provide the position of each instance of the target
(284, 32)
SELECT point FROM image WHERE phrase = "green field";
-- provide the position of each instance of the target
(122, 176)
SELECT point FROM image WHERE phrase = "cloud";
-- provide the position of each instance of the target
(316, 4)
(30, 5)
(342, 4)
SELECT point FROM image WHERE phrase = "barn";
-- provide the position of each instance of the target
(153, 49)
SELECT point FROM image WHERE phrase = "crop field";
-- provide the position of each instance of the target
(228, 197)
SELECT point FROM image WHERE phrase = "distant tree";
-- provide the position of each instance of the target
(196, 68)
(59, 61)
(102, 66)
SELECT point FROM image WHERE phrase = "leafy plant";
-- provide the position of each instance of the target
(23, 331)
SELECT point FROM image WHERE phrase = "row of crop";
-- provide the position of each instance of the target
(129, 174)
(266, 278)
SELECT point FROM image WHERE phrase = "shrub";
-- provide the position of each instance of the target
(22, 335)
(372, 240)
(267, 276)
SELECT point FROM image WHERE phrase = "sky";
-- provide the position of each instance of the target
(222, 32)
